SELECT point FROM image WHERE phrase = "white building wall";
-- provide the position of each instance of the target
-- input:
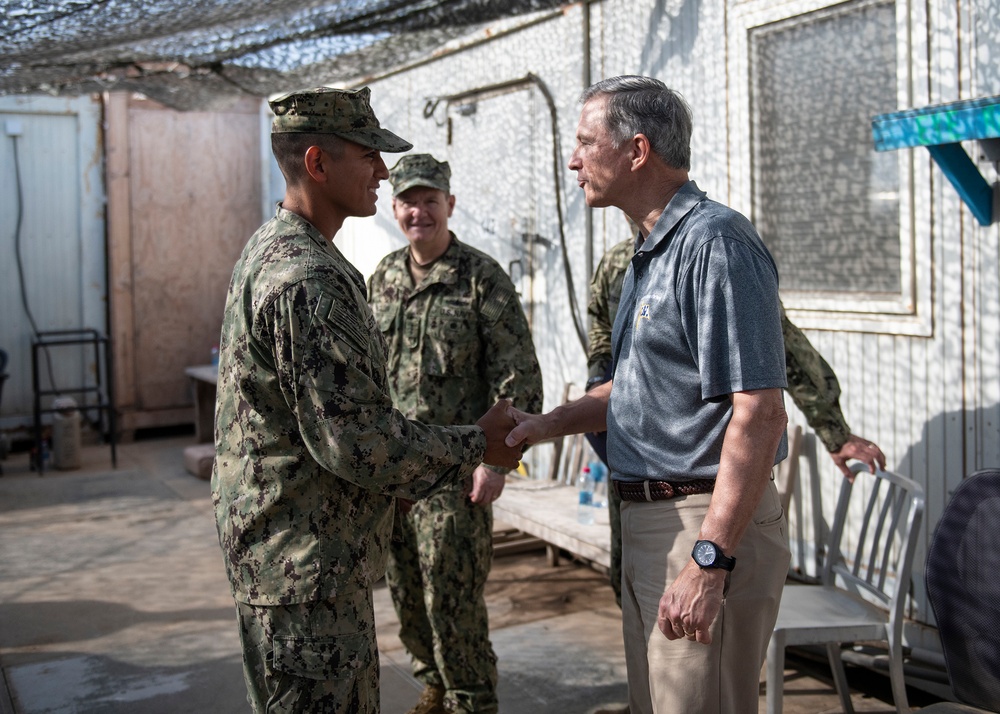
(502, 173)
(923, 382)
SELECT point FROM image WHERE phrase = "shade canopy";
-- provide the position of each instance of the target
(205, 54)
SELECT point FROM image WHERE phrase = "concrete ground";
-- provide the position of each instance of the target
(113, 599)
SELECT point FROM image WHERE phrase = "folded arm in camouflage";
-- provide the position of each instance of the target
(813, 387)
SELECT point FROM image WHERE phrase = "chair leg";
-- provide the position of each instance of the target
(775, 691)
(897, 679)
(839, 676)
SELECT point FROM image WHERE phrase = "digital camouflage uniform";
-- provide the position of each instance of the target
(458, 342)
(310, 455)
(811, 382)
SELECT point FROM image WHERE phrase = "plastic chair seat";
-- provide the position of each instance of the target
(804, 609)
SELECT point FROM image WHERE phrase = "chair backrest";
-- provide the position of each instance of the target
(571, 452)
(963, 584)
(880, 559)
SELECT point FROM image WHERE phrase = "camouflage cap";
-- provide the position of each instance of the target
(419, 170)
(344, 112)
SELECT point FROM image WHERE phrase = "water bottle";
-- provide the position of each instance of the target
(215, 355)
(585, 509)
(600, 473)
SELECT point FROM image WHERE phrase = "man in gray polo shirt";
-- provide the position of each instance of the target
(694, 412)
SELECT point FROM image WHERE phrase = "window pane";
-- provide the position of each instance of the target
(826, 203)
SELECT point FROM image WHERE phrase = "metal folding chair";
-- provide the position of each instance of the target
(863, 587)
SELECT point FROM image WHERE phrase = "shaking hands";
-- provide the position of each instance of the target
(497, 423)
(508, 432)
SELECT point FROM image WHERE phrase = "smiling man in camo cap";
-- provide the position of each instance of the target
(458, 341)
(310, 453)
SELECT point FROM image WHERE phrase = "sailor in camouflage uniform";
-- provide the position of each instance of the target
(812, 383)
(311, 454)
(458, 339)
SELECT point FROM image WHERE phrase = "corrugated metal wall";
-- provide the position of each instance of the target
(61, 239)
(925, 386)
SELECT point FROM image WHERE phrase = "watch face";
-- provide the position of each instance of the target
(704, 553)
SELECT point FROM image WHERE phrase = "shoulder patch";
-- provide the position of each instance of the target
(334, 313)
(496, 303)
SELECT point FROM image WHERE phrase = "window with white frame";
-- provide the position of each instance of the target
(825, 202)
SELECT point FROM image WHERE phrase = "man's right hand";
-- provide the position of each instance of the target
(496, 423)
(530, 429)
(588, 413)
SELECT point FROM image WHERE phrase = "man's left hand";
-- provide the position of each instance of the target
(861, 449)
(691, 603)
(487, 485)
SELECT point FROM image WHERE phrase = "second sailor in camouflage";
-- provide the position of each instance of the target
(812, 383)
(457, 339)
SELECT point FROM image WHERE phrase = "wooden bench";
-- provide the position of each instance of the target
(205, 378)
(547, 508)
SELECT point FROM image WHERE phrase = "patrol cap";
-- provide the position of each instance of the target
(419, 170)
(344, 112)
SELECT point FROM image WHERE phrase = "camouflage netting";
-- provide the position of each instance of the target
(206, 54)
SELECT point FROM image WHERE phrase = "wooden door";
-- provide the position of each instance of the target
(184, 197)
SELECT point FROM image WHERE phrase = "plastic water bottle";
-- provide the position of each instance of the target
(215, 355)
(600, 473)
(585, 509)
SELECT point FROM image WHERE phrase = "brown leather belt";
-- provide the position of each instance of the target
(662, 490)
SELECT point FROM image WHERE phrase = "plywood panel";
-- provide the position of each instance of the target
(120, 248)
(194, 189)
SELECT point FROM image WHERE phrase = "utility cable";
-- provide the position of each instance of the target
(574, 307)
(20, 265)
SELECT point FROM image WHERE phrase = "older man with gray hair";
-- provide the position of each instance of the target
(694, 412)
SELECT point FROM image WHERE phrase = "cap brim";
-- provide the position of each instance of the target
(417, 181)
(381, 139)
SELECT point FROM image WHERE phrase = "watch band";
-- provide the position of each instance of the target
(719, 560)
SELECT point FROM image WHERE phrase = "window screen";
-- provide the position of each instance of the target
(825, 202)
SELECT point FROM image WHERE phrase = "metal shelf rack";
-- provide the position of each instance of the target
(97, 397)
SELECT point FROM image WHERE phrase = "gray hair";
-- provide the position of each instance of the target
(643, 105)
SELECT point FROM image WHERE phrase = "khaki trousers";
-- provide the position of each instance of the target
(679, 676)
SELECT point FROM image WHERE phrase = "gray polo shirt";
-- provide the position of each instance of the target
(698, 320)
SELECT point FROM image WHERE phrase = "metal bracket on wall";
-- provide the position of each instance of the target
(941, 128)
